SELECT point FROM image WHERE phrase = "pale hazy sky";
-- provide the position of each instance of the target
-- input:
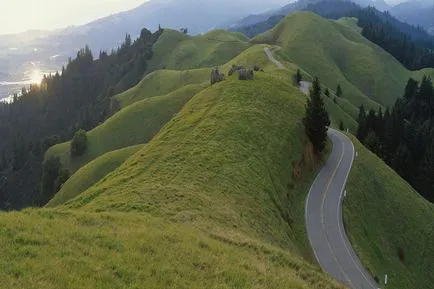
(23, 15)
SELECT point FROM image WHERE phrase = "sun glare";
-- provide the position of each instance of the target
(36, 77)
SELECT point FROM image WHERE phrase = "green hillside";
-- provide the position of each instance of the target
(161, 82)
(210, 202)
(136, 124)
(91, 173)
(225, 135)
(338, 53)
(350, 22)
(174, 50)
(383, 214)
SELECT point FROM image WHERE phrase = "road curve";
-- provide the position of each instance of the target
(271, 57)
(324, 219)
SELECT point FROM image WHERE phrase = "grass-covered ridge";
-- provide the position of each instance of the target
(91, 173)
(135, 124)
(383, 215)
(226, 157)
(337, 53)
(161, 82)
(174, 50)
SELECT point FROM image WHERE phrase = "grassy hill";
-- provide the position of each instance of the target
(161, 82)
(210, 202)
(337, 53)
(175, 50)
(383, 215)
(91, 173)
(136, 124)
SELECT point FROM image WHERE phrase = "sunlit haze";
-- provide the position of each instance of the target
(22, 15)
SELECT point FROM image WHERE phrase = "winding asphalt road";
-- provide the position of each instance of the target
(323, 212)
(324, 218)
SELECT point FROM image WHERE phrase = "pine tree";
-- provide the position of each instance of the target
(317, 119)
(327, 92)
(299, 77)
(426, 175)
(341, 125)
(296, 78)
(339, 91)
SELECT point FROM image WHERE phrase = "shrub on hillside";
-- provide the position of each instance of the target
(297, 78)
(53, 177)
(79, 143)
(245, 74)
(401, 255)
(256, 67)
(216, 76)
(234, 69)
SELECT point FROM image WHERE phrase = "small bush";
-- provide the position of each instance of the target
(401, 255)
(234, 69)
(256, 67)
(335, 100)
(327, 92)
(216, 76)
(341, 125)
(245, 74)
(377, 280)
(79, 143)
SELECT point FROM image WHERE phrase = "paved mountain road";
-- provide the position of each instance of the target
(324, 218)
(323, 212)
(271, 57)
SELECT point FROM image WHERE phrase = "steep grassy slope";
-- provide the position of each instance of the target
(339, 54)
(383, 214)
(210, 202)
(227, 157)
(91, 173)
(161, 82)
(136, 124)
(350, 22)
(174, 50)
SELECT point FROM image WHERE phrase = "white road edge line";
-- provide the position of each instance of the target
(341, 207)
(305, 218)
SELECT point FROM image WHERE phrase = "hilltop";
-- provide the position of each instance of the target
(367, 74)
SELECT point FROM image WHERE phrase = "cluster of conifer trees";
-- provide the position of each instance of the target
(403, 136)
(80, 97)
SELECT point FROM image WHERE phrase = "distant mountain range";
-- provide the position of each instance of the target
(300, 5)
(50, 49)
(415, 12)
(420, 13)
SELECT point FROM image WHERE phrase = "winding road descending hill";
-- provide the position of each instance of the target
(323, 211)
(324, 219)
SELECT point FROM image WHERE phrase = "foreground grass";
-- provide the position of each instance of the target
(382, 214)
(66, 249)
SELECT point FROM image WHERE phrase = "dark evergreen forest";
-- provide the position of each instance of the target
(403, 136)
(80, 97)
